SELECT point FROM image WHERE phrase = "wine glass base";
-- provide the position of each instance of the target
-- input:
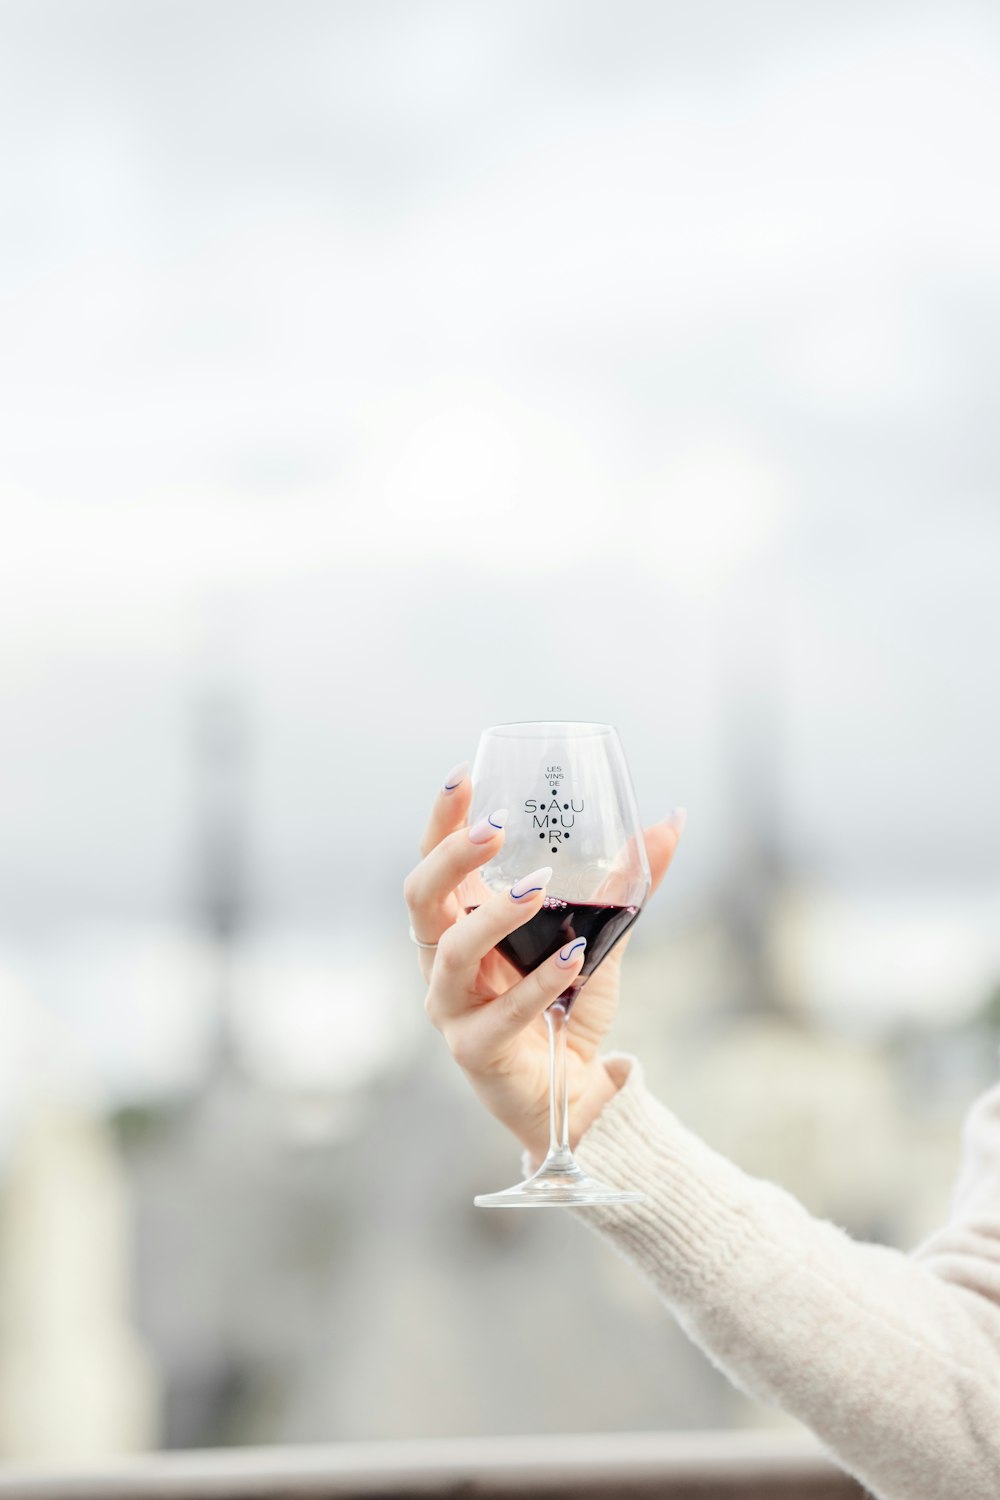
(561, 1189)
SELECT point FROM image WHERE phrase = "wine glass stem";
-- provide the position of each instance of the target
(559, 1152)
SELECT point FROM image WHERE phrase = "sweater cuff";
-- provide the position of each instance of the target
(695, 1218)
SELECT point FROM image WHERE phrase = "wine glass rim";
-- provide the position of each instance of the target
(550, 728)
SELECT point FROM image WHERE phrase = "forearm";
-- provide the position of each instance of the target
(892, 1367)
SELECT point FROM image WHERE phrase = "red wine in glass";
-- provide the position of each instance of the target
(558, 925)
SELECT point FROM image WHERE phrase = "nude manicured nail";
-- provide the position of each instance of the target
(487, 828)
(567, 956)
(678, 817)
(528, 885)
(456, 776)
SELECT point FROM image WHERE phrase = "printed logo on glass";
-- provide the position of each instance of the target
(554, 813)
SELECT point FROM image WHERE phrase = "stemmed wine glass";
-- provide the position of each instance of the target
(570, 798)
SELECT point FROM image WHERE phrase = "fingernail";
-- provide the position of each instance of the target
(572, 951)
(456, 776)
(678, 817)
(529, 884)
(487, 828)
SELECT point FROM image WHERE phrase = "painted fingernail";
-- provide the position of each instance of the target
(678, 817)
(456, 776)
(572, 951)
(487, 828)
(528, 885)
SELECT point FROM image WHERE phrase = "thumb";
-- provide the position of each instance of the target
(661, 843)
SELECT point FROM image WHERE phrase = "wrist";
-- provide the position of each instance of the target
(598, 1091)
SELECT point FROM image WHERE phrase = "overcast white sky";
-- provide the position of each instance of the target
(416, 366)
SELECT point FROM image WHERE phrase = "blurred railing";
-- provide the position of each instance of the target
(667, 1466)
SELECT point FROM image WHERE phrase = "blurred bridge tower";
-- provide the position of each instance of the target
(755, 749)
(222, 759)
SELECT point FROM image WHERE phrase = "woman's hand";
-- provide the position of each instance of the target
(491, 1018)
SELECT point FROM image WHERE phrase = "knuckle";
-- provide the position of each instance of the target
(412, 887)
(515, 1010)
(447, 957)
(432, 1009)
(525, 1000)
(510, 1004)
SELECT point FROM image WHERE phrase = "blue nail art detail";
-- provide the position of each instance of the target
(456, 776)
(567, 955)
(520, 891)
(498, 827)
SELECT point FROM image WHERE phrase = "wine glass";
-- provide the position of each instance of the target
(570, 799)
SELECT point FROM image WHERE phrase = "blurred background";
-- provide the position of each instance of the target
(372, 372)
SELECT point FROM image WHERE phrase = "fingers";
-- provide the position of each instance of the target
(464, 946)
(661, 843)
(493, 1030)
(428, 889)
(451, 805)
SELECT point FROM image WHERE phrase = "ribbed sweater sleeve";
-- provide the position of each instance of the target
(892, 1360)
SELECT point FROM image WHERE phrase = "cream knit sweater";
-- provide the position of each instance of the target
(892, 1360)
